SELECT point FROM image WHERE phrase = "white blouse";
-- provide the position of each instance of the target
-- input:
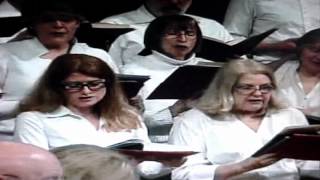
(225, 139)
(62, 127)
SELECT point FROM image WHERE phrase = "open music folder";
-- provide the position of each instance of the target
(297, 142)
(185, 82)
(131, 84)
(213, 49)
(101, 35)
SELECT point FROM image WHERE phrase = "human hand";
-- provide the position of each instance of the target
(182, 105)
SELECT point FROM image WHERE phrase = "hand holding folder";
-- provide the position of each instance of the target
(298, 142)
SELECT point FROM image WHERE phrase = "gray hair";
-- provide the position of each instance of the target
(218, 98)
(83, 162)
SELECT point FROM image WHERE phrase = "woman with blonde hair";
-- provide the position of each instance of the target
(84, 162)
(237, 115)
(77, 101)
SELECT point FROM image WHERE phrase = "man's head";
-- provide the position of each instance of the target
(167, 7)
(26, 162)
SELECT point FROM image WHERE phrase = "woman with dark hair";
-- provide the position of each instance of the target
(170, 42)
(52, 24)
(77, 101)
(299, 81)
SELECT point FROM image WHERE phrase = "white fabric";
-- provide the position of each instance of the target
(62, 127)
(292, 90)
(130, 44)
(21, 66)
(7, 10)
(294, 18)
(158, 67)
(225, 139)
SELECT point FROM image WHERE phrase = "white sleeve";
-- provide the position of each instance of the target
(186, 131)
(239, 18)
(29, 129)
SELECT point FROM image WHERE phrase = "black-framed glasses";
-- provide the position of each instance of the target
(74, 86)
(175, 34)
(249, 88)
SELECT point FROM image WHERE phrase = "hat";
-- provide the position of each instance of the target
(47, 10)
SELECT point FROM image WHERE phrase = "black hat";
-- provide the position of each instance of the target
(47, 10)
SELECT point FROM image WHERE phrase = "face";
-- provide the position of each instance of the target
(310, 58)
(56, 33)
(82, 91)
(168, 7)
(36, 167)
(252, 93)
(179, 44)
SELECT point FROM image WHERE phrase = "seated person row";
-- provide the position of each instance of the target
(299, 80)
(130, 44)
(77, 101)
(170, 42)
(238, 114)
(53, 25)
(293, 18)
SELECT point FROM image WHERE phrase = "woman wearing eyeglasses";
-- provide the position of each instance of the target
(52, 25)
(170, 42)
(77, 101)
(237, 115)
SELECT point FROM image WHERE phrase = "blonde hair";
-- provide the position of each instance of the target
(89, 162)
(218, 98)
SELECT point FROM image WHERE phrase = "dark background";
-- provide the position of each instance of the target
(95, 10)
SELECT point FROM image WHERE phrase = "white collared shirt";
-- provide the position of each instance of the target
(291, 89)
(158, 67)
(293, 18)
(62, 127)
(130, 44)
(225, 139)
(21, 66)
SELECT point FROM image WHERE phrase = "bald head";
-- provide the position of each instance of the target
(27, 162)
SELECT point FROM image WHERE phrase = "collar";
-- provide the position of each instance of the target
(173, 61)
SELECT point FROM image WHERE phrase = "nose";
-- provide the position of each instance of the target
(257, 91)
(58, 23)
(182, 36)
(85, 89)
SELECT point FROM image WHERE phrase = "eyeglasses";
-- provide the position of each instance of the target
(75, 86)
(176, 34)
(249, 89)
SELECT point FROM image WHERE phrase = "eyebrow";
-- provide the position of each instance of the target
(10, 176)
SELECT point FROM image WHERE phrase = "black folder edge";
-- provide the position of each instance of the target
(11, 25)
(183, 82)
(99, 35)
(216, 50)
(131, 144)
(131, 84)
(286, 136)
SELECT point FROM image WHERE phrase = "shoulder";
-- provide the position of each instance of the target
(122, 18)
(193, 116)
(291, 115)
(289, 66)
(30, 117)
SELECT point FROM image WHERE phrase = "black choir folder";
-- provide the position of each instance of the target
(101, 35)
(11, 25)
(185, 82)
(131, 84)
(213, 49)
(296, 142)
